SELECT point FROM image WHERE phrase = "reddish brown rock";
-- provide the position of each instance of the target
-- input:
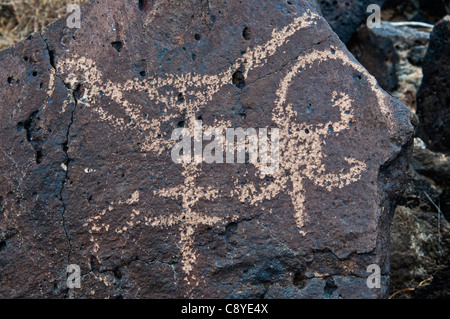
(86, 128)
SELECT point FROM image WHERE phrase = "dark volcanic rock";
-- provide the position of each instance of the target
(394, 56)
(436, 167)
(439, 287)
(420, 237)
(346, 16)
(429, 11)
(86, 122)
(433, 99)
(420, 232)
(432, 165)
(419, 247)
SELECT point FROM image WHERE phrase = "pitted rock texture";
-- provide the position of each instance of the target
(433, 101)
(86, 121)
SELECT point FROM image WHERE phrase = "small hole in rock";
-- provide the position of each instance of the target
(330, 287)
(197, 36)
(231, 227)
(299, 279)
(78, 92)
(247, 33)
(117, 273)
(142, 5)
(117, 45)
(238, 79)
(38, 156)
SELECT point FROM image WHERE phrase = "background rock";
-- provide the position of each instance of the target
(394, 56)
(420, 232)
(429, 11)
(439, 287)
(433, 100)
(346, 16)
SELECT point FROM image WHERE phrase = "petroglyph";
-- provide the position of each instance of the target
(301, 145)
(187, 220)
(302, 155)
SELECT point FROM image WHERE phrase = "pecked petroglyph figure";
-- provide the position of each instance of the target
(301, 145)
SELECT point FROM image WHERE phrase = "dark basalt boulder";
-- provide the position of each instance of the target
(428, 11)
(346, 16)
(420, 231)
(394, 55)
(433, 101)
(86, 121)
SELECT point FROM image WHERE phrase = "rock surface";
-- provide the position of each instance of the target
(394, 55)
(429, 11)
(439, 287)
(433, 100)
(420, 232)
(346, 16)
(86, 120)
